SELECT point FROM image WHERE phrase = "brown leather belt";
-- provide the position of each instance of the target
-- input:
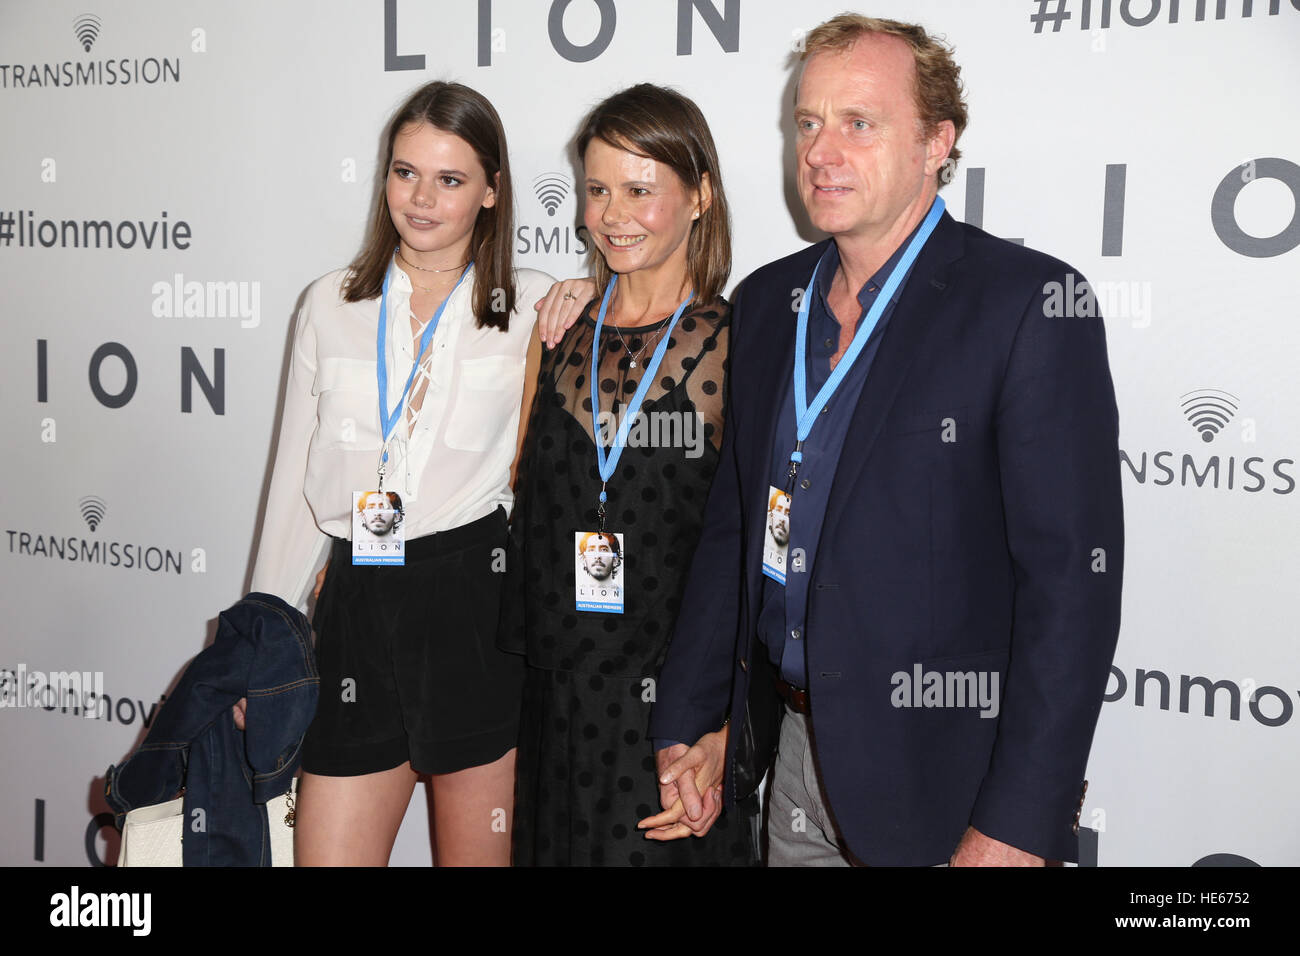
(796, 697)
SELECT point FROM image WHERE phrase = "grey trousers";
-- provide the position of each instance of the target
(800, 828)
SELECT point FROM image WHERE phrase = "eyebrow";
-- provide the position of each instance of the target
(851, 110)
(441, 172)
(592, 181)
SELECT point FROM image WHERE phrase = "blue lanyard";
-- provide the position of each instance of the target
(607, 464)
(807, 414)
(387, 421)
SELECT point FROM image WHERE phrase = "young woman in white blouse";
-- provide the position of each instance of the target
(411, 681)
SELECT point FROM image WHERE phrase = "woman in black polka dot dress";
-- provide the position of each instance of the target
(658, 218)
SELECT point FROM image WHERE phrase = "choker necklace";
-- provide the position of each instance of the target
(423, 269)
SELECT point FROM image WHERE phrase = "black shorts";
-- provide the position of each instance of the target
(409, 669)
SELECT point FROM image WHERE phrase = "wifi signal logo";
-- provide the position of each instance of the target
(551, 189)
(1209, 410)
(93, 510)
(86, 27)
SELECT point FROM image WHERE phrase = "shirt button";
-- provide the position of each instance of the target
(825, 409)
(829, 343)
(805, 484)
(872, 287)
(795, 633)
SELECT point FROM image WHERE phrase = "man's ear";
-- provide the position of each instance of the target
(939, 146)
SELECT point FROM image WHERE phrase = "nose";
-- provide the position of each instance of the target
(423, 194)
(823, 149)
(613, 213)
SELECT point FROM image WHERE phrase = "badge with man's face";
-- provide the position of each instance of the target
(377, 533)
(598, 571)
(776, 536)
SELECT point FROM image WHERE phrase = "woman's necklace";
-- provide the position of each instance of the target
(423, 269)
(424, 288)
(643, 347)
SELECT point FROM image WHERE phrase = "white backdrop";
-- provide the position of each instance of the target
(1145, 142)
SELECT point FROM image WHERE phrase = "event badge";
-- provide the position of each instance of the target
(776, 536)
(377, 533)
(598, 571)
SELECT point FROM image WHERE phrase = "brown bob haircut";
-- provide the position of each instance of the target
(938, 90)
(455, 109)
(663, 125)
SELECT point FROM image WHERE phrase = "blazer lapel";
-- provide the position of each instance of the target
(909, 326)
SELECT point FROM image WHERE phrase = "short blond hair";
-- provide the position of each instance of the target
(938, 90)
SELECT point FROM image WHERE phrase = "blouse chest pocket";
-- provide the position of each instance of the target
(347, 396)
(344, 373)
(487, 396)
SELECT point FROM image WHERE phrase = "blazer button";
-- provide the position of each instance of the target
(744, 665)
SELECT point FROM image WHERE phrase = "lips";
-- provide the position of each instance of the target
(418, 222)
(624, 242)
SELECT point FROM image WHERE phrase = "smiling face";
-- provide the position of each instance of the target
(435, 189)
(865, 171)
(637, 210)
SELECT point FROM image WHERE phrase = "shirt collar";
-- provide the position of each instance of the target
(830, 262)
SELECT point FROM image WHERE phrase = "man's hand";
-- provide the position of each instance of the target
(976, 849)
(560, 308)
(320, 581)
(690, 788)
(238, 712)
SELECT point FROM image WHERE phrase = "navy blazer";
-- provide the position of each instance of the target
(975, 525)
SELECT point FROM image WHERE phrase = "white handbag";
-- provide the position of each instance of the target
(151, 836)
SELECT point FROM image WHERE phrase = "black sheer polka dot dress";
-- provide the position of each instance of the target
(586, 769)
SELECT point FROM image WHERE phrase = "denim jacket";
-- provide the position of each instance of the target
(263, 652)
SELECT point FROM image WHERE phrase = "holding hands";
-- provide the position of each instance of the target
(690, 788)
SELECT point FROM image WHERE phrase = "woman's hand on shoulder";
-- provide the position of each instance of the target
(560, 308)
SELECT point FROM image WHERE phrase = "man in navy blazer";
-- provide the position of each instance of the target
(944, 634)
